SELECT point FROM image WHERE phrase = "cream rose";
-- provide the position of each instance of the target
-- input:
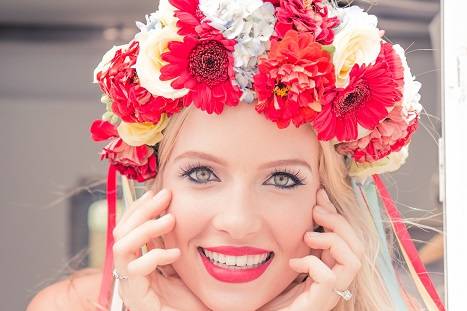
(390, 163)
(149, 62)
(166, 13)
(146, 133)
(358, 42)
(106, 59)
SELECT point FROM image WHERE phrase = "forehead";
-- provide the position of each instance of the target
(241, 134)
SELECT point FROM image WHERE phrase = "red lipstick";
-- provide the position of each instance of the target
(235, 274)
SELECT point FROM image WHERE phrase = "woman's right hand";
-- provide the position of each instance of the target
(146, 289)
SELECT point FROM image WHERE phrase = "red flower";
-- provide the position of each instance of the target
(189, 17)
(137, 163)
(389, 136)
(306, 16)
(130, 101)
(205, 66)
(365, 101)
(102, 130)
(292, 80)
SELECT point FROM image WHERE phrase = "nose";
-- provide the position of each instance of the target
(239, 216)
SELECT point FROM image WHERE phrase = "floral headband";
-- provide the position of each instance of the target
(299, 61)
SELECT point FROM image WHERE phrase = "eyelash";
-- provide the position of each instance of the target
(296, 176)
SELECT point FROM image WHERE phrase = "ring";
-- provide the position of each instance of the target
(118, 276)
(346, 294)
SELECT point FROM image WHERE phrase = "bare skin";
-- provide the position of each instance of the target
(252, 212)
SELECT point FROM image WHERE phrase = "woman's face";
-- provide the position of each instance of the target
(237, 180)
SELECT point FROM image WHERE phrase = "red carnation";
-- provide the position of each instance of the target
(306, 16)
(130, 101)
(292, 80)
(372, 90)
(205, 66)
(137, 163)
(389, 136)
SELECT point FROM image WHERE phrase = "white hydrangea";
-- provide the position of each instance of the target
(411, 95)
(159, 19)
(251, 24)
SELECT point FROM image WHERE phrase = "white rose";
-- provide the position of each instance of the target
(357, 42)
(166, 13)
(149, 62)
(106, 59)
(390, 163)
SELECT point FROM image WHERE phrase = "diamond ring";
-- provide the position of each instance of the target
(346, 294)
(118, 276)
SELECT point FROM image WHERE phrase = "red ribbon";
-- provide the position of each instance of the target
(406, 242)
(107, 280)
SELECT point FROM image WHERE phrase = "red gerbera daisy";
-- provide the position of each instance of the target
(365, 101)
(205, 66)
(306, 16)
(130, 101)
(190, 17)
(292, 80)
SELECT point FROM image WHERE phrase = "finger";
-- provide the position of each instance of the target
(323, 200)
(335, 222)
(149, 208)
(147, 195)
(347, 263)
(143, 234)
(316, 269)
(147, 263)
(322, 281)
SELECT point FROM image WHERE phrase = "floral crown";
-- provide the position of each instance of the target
(299, 61)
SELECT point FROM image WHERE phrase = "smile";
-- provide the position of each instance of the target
(235, 264)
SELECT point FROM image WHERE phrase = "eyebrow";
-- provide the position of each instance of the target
(209, 157)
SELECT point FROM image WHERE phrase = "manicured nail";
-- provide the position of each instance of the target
(321, 210)
(324, 194)
(160, 194)
(312, 234)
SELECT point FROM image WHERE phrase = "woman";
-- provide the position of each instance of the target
(245, 213)
(238, 199)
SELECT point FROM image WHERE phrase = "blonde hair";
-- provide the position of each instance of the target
(368, 288)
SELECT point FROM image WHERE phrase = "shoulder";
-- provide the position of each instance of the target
(78, 292)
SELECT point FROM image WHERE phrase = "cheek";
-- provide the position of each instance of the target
(191, 217)
(289, 219)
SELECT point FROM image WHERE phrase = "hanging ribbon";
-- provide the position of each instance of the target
(107, 279)
(421, 277)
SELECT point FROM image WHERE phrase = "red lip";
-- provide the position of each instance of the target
(237, 251)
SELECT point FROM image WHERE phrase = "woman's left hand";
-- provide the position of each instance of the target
(336, 268)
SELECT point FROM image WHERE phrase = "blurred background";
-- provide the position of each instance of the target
(48, 52)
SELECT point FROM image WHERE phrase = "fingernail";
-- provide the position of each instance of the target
(312, 234)
(321, 210)
(173, 251)
(324, 194)
(166, 217)
(293, 260)
(160, 194)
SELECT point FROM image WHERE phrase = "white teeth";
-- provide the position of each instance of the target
(239, 261)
